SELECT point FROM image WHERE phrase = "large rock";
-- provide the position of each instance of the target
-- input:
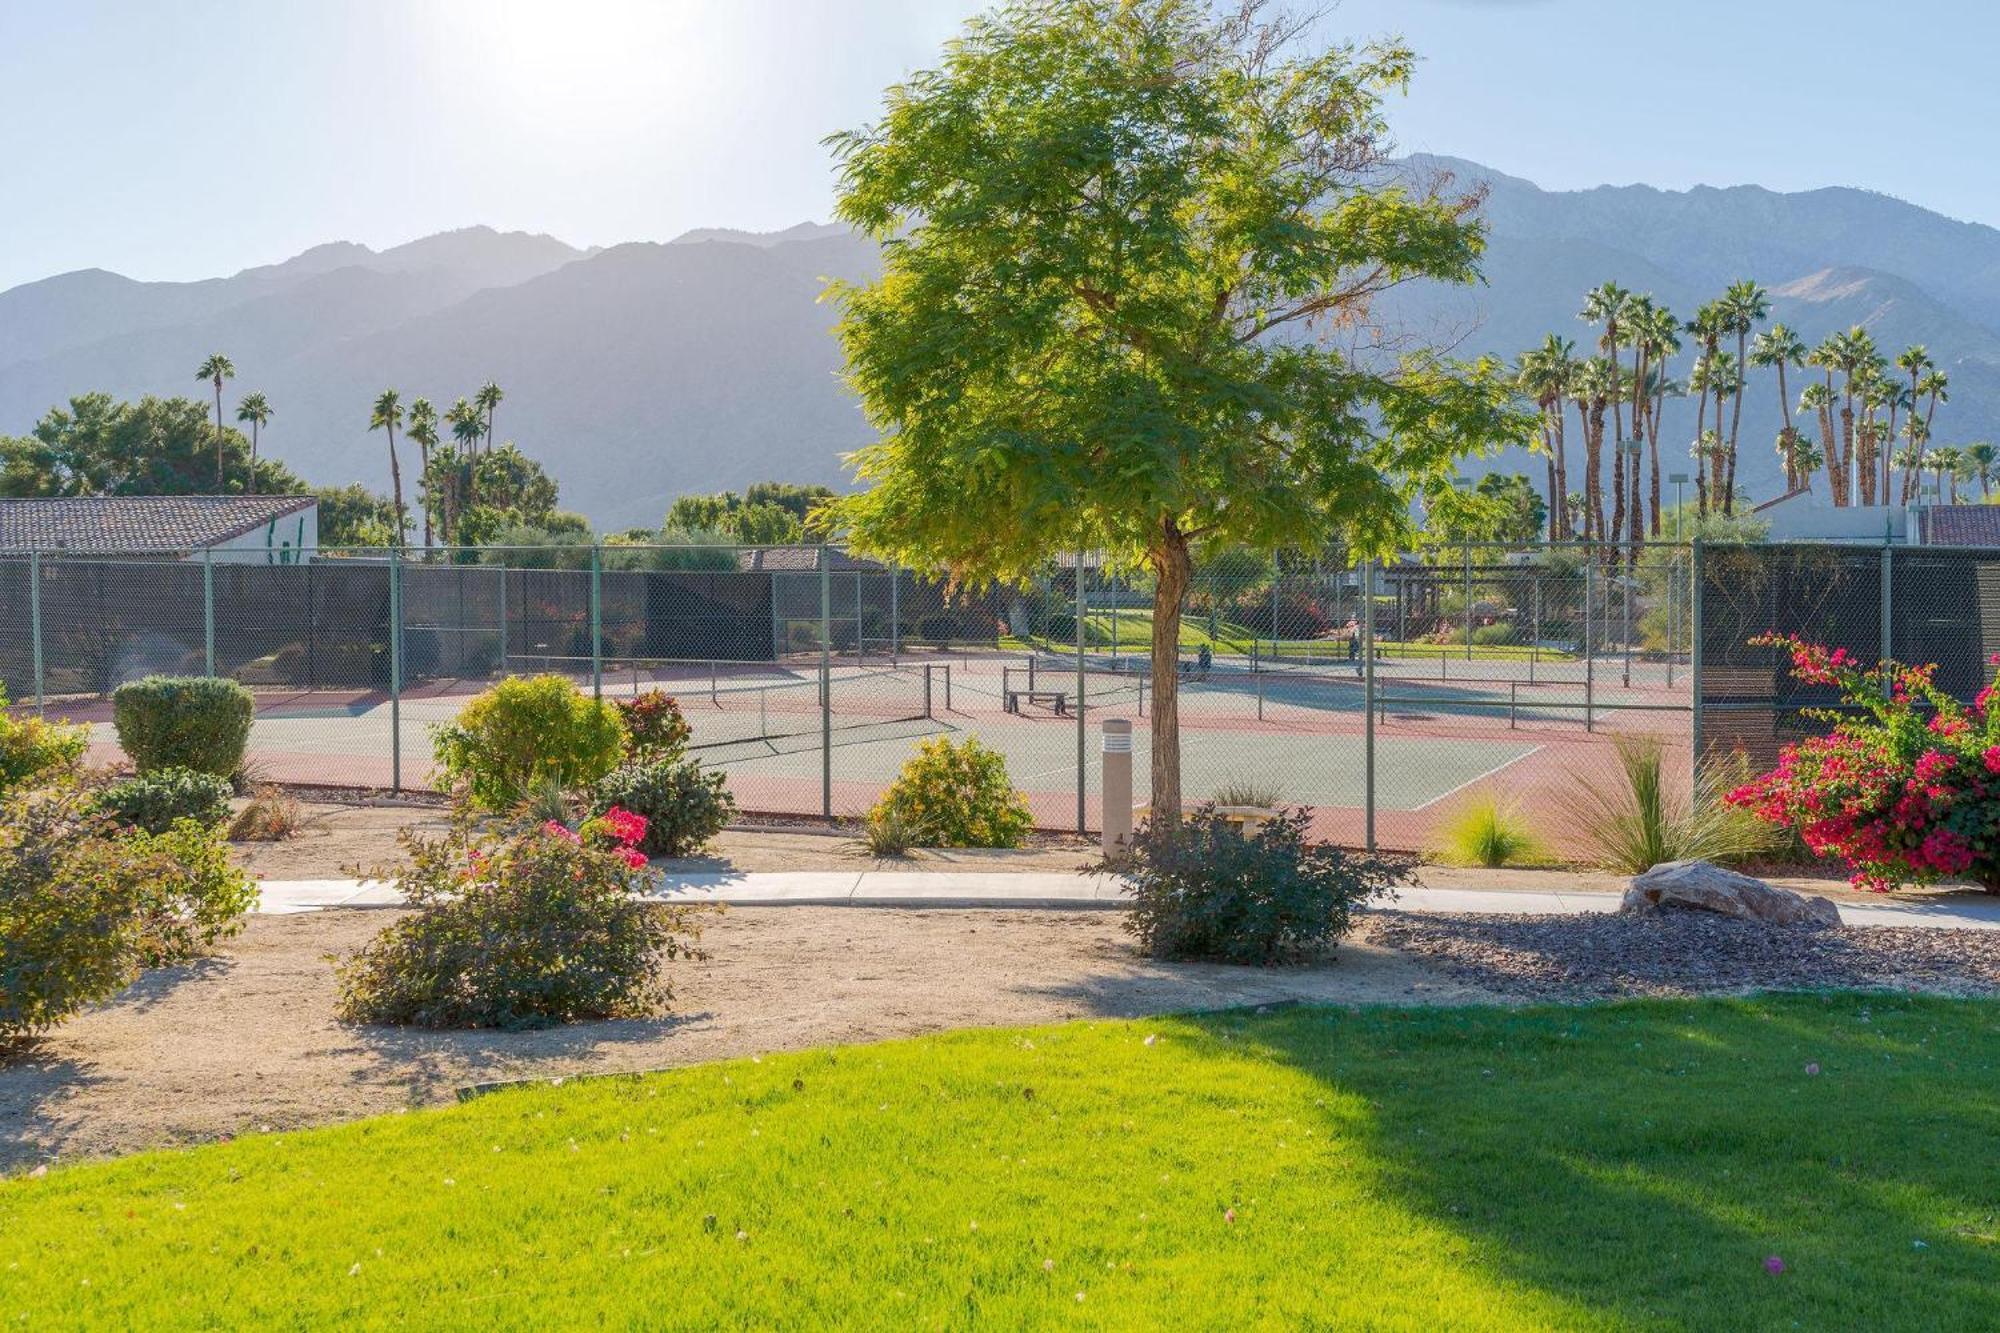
(1699, 886)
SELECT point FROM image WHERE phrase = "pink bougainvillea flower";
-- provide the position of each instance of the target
(560, 830)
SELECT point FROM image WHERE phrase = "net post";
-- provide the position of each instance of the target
(947, 687)
(895, 612)
(1589, 650)
(1082, 748)
(396, 668)
(929, 712)
(826, 682)
(1468, 601)
(1368, 700)
(208, 610)
(1888, 609)
(35, 625)
(596, 621)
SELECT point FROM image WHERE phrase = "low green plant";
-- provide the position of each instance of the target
(886, 835)
(656, 731)
(956, 794)
(1204, 888)
(524, 730)
(1648, 820)
(31, 748)
(197, 897)
(684, 804)
(197, 722)
(545, 801)
(517, 926)
(154, 802)
(1488, 832)
(70, 928)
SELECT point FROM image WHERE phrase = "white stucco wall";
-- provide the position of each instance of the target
(289, 540)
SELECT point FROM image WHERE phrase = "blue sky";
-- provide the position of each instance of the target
(192, 138)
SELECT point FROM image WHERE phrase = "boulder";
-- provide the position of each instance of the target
(1702, 887)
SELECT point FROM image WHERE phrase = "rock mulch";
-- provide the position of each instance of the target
(1689, 953)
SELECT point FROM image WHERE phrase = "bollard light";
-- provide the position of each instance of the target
(1116, 785)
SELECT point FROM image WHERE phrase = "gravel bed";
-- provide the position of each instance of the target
(1689, 953)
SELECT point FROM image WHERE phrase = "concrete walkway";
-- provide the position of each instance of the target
(1057, 889)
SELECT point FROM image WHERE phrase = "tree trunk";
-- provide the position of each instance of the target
(424, 486)
(1736, 420)
(396, 480)
(1787, 437)
(1172, 570)
(218, 434)
(253, 456)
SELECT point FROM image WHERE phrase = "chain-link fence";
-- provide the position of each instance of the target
(1388, 697)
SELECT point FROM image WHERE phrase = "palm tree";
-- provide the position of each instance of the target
(423, 429)
(1931, 389)
(1715, 376)
(1706, 330)
(1608, 304)
(215, 370)
(255, 409)
(1915, 362)
(468, 425)
(388, 415)
(1744, 306)
(1593, 387)
(1778, 347)
(1545, 376)
(486, 400)
(1661, 333)
(1945, 461)
(1980, 459)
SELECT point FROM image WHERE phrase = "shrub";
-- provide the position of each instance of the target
(525, 729)
(1904, 787)
(1203, 888)
(1499, 632)
(1249, 792)
(32, 748)
(199, 895)
(516, 927)
(197, 722)
(1648, 822)
(956, 795)
(886, 835)
(656, 731)
(271, 815)
(1489, 832)
(684, 805)
(69, 899)
(153, 802)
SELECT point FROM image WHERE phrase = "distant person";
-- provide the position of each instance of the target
(1353, 640)
(1204, 659)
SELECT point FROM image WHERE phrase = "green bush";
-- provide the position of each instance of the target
(656, 731)
(32, 748)
(516, 927)
(527, 730)
(1652, 819)
(1203, 888)
(1499, 632)
(1488, 832)
(198, 722)
(684, 805)
(197, 897)
(69, 909)
(154, 802)
(956, 795)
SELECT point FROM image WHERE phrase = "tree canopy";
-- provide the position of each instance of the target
(1129, 246)
(98, 445)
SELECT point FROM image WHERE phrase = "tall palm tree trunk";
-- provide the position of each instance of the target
(218, 435)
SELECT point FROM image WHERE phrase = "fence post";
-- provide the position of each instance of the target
(895, 612)
(1694, 663)
(396, 668)
(1275, 576)
(1082, 749)
(1368, 701)
(35, 624)
(1888, 610)
(1589, 649)
(826, 682)
(1535, 629)
(596, 622)
(503, 617)
(1468, 602)
(208, 610)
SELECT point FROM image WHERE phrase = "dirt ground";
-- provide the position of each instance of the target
(247, 1041)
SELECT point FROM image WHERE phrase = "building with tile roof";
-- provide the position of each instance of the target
(243, 529)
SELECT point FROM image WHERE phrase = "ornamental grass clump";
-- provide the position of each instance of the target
(1904, 788)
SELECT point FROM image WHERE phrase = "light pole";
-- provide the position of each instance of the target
(1633, 449)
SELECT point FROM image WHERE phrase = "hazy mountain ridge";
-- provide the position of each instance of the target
(645, 370)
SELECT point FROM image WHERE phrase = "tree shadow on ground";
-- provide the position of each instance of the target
(1641, 1161)
(436, 1063)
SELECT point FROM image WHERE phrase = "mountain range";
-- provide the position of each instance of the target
(642, 371)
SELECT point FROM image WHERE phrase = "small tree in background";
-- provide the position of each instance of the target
(1112, 230)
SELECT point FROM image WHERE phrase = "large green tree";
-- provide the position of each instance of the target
(1112, 231)
(97, 445)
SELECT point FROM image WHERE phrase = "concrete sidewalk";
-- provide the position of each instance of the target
(1067, 890)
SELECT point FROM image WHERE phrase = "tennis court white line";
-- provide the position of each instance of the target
(1473, 781)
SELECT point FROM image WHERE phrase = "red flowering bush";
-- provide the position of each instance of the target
(656, 731)
(1906, 791)
(520, 925)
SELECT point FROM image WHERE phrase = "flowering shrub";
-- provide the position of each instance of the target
(1906, 792)
(517, 926)
(684, 805)
(656, 732)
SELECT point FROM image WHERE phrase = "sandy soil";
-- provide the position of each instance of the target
(247, 1040)
(338, 836)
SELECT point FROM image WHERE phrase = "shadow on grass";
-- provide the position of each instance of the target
(1643, 1160)
(435, 1063)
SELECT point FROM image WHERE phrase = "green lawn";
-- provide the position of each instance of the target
(1625, 1166)
(1134, 634)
